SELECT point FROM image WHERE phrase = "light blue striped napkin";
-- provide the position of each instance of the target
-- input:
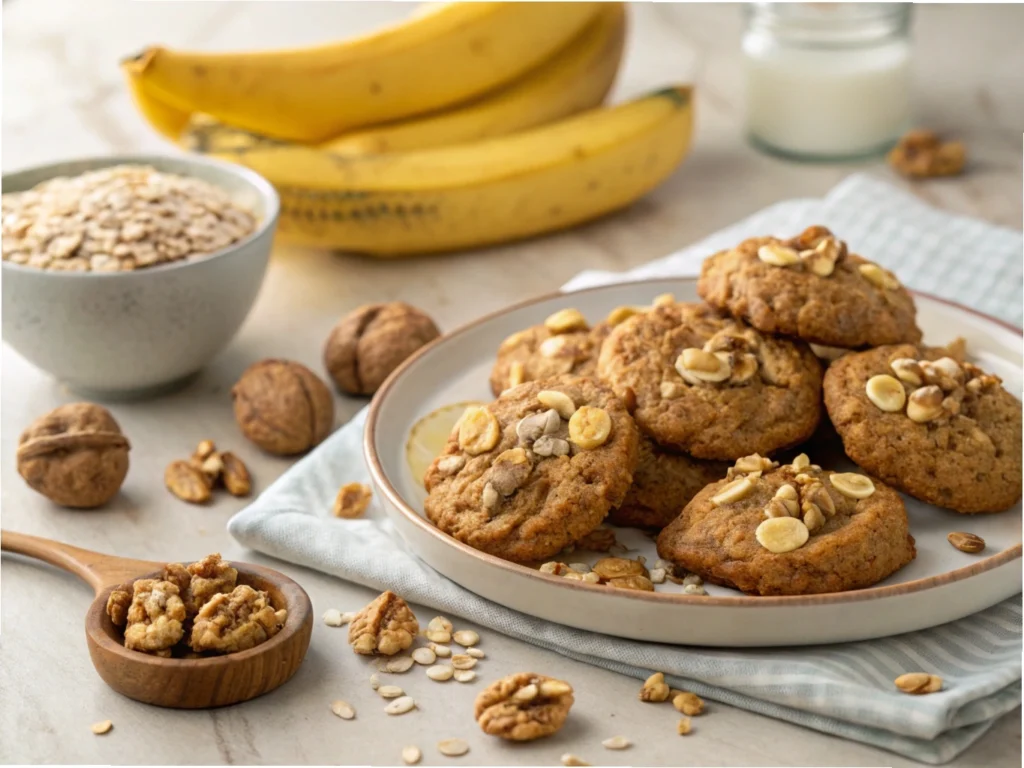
(844, 690)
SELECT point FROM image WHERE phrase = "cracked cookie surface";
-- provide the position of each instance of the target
(853, 543)
(953, 440)
(857, 304)
(519, 480)
(743, 393)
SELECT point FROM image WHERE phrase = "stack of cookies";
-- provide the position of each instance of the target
(667, 418)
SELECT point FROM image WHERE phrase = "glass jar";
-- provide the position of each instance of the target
(827, 81)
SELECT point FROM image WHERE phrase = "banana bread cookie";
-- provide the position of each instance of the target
(711, 386)
(942, 431)
(534, 471)
(664, 483)
(810, 287)
(563, 345)
(790, 530)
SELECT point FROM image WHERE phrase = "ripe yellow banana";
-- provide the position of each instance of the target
(482, 192)
(169, 122)
(441, 57)
(576, 78)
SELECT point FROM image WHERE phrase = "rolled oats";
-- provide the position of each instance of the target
(399, 664)
(554, 346)
(516, 374)
(476, 653)
(464, 675)
(400, 706)
(449, 465)
(463, 661)
(566, 321)
(966, 542)
(332, 617)
(442, 651)
(570, 759)
(657, 576)
(101, 727)
(590, 427)
(466, 637)
(655, 688)
(120, 218)
(852, 485)
(440, 672)
(425, 656)
(411, 755)
(453, 747)
(439, 630)
(342, 709)
(782, 534)
(616, 742)
(694, 589)
(390, 691)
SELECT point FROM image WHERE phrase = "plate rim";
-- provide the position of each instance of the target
(515, 569)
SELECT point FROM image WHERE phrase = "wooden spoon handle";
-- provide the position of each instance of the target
(98, 570)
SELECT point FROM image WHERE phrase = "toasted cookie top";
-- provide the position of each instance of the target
(943, 431)
(534, 471)
(810, 287)
(710, 385)
(790, 530)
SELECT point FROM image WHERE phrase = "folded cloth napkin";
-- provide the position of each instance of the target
(845, 690)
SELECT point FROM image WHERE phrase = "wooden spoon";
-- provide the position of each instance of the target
(181, 683)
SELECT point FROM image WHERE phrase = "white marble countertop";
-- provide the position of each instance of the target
(63, 97)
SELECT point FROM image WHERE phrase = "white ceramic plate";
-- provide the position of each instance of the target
(941, 585)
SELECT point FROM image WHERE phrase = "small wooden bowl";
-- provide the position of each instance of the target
(214, 681)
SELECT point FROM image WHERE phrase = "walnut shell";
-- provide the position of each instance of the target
(370, 342)
(75, 455)
(283, 406)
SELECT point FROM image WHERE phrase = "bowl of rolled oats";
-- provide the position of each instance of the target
(123, 276)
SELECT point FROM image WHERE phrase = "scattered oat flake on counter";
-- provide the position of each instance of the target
(453, 747)
(119, 219)
(342, 709)
(411, 755)
(101, 727)
(616, 742)
(570, 759)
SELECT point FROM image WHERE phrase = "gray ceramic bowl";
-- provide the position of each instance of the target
(128, 334)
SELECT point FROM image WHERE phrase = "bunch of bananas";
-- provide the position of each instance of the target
(467, 124)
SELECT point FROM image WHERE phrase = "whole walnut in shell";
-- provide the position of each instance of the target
(370, 342)
(283, 406)
(75, 455)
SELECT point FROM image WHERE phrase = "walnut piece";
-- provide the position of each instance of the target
(187, 482)
(155, 617)
(117, 606)
(209, 577)
(283, 407)
(523, 706)
(368, 343)
(387, 626)
(237, 621)
(921, 154)
(235, 475)
(75, 455)
(352, 500)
